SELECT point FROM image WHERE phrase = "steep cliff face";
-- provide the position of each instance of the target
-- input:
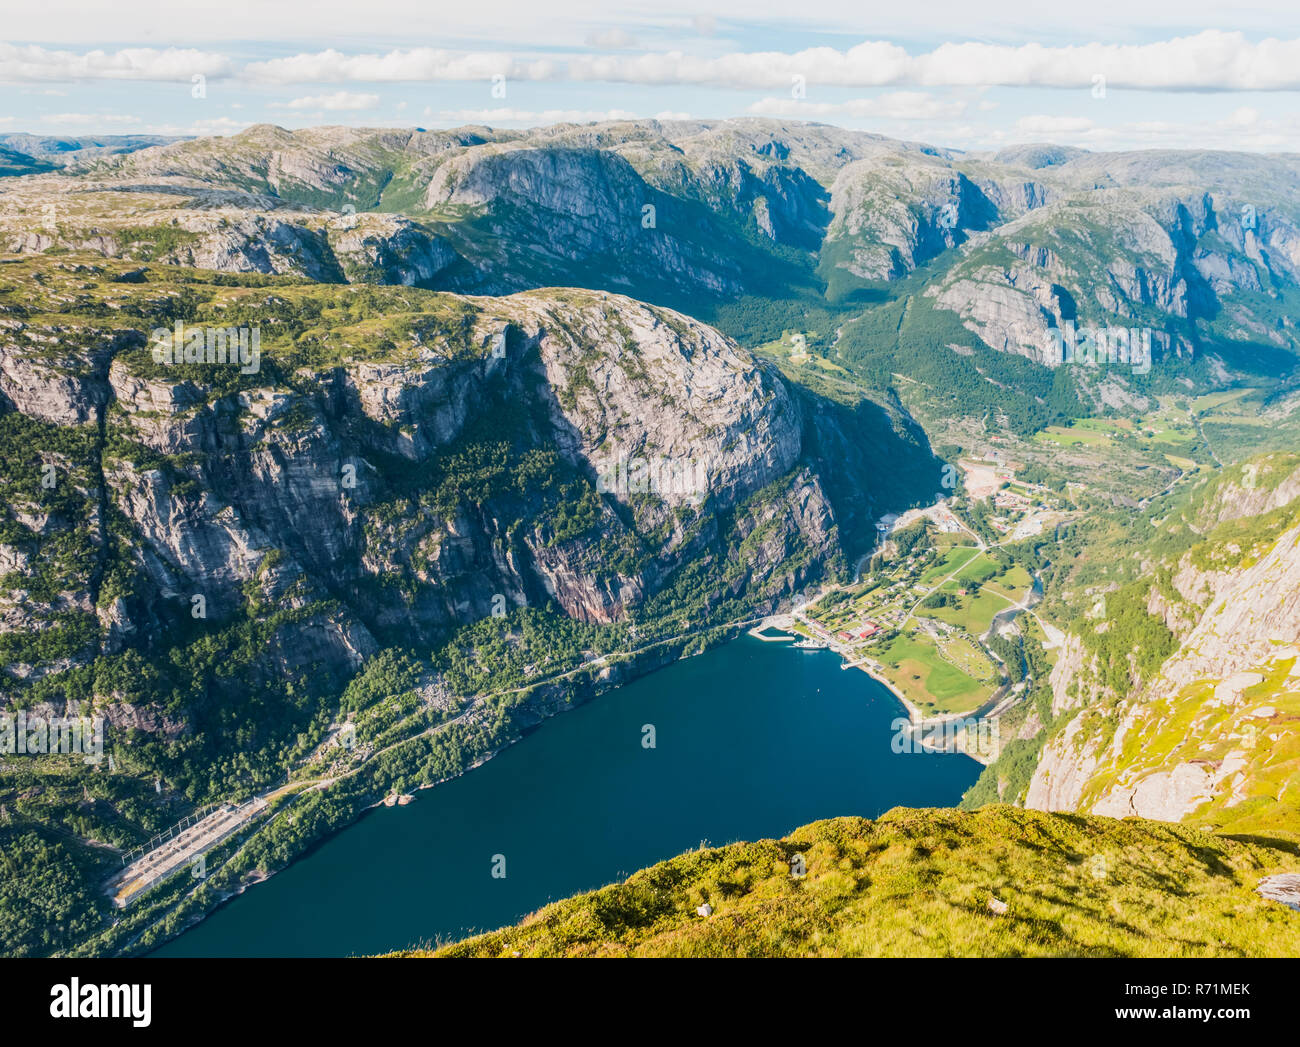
(1200, 249)
(402, 471)
(675, 212)
(700, 226)
(1178, 262)
(895, 212)
(238, 512)
(1214, 735)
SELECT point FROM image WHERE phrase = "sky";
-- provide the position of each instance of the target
(1106, 74)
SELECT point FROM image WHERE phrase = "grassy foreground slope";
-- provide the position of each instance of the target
(920, 882)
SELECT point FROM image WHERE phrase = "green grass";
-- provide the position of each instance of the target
(919, 883)
(1155, 432)
(928, 679)
(973, 612)
(959, 556)
(1068, 437)
(1012, 584)
(1188, 726)
(962, 652)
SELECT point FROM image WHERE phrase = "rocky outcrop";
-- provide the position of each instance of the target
(683, 212)
(1248, 619)
(387, 249)
(576, 449)
(1010, 310)
(893, 214)
(1063, 772)
(1109, 259)
(1193, 736)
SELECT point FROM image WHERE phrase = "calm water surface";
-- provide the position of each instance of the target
(752, 740)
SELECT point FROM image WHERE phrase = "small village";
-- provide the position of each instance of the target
(927, 603)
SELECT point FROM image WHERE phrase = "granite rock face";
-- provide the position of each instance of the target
(322, 496)
(689, 212)
(1209, 729)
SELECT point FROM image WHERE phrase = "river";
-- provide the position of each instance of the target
(1003, 618)
(751, 740)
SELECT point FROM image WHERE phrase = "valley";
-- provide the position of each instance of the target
(338, 461)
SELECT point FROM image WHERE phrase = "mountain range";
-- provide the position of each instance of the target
(419, 486)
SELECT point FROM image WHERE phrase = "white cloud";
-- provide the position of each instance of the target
(898, 105)
(1054, 125)
(83, 123)
(497, 117)
(1211, 60)
(1242, 129)
(339, 100)
(416, 65)
(611, 40)
(878, 84)
(89, 119)
(705, 25)
(217, 125)
(558, 23)
(29, 63)
(99, 123)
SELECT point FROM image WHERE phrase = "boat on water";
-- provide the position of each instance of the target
(811, 645)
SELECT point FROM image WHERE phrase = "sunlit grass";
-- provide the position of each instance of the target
(919, 883)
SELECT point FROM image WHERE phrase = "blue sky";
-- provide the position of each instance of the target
(1103, 75)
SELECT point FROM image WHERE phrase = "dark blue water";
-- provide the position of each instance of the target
(752, 740)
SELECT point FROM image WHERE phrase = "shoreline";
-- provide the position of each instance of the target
(600, 684)
(712, 636)
(916, 718)
(920, 722)
(255, 876)
(993, 704)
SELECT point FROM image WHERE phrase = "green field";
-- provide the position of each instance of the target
(929, 681)
(1012, 584)
(974, 611)
(1212, 401)
(959, 556)
(966, 655)
(1167, 427)
(1072, 437)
